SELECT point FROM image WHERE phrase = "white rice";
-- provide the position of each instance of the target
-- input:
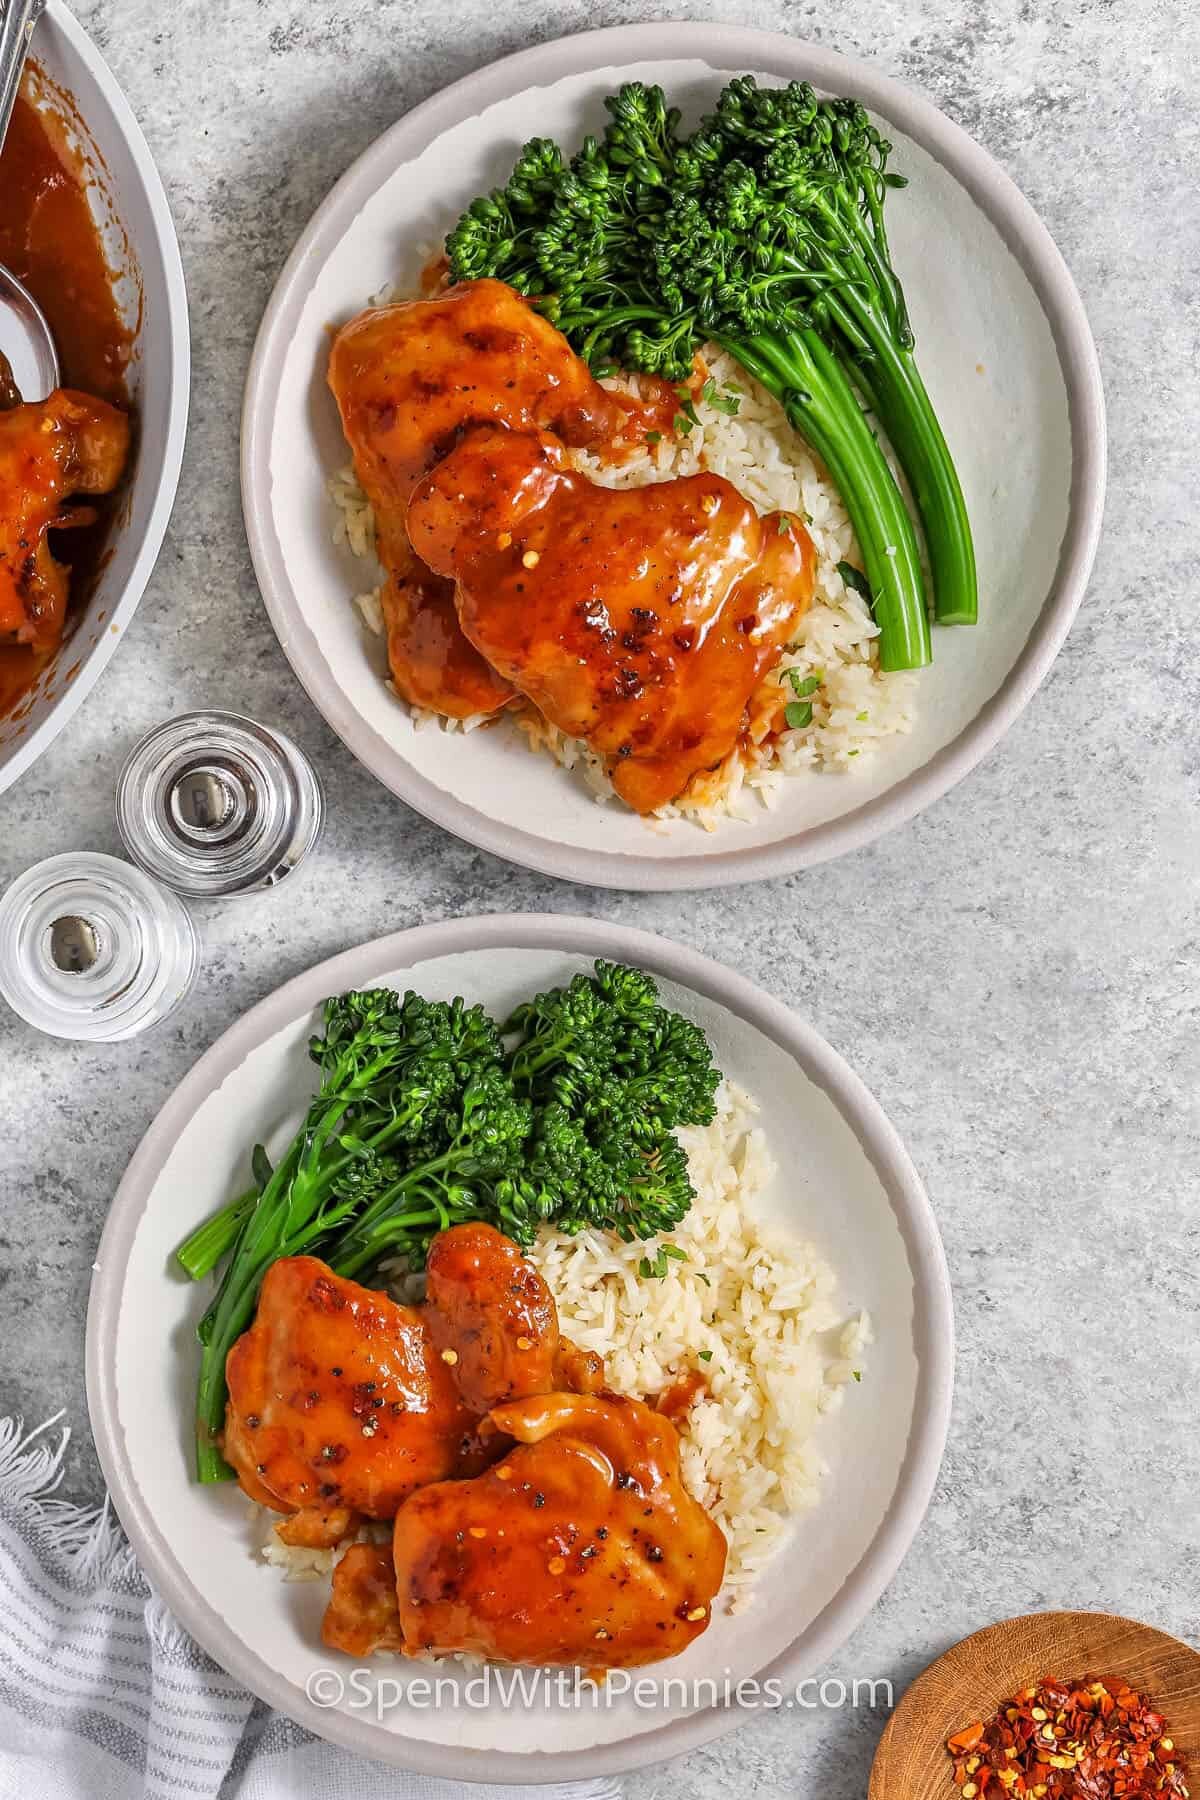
(754, 1309)
(856, 708)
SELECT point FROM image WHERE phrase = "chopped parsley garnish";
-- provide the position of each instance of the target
(726, 400)
(784, 525)
(803, 686)
(654, 437)
(857, 1373)
(798, 714)
(655, 1270)
(704, 1355)
(682, 425)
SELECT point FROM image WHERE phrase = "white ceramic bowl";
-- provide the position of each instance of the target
(1005, 349)
(846, 1184)
(129, 201)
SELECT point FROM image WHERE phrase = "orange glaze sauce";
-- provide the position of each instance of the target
(677, 1399)
(50, 240)
(654, 412)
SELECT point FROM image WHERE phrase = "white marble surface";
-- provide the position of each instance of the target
(1014, 974)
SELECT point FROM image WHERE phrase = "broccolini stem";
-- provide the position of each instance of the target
(388, 1234)
(355, 1249)
(313, 1143)
(199, 1254)
(805, 375)
(892, 385)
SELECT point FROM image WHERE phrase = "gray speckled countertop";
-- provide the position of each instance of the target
(1015, 974)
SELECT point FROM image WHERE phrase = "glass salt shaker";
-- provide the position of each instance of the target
(215, 805)
(91, 949)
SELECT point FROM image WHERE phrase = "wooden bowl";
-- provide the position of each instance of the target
(970, 1681)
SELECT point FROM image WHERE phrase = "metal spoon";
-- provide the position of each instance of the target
(28, 357)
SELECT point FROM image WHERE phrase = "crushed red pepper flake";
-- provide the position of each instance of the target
(1069, 1740)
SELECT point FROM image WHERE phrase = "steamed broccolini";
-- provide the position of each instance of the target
(764, 232)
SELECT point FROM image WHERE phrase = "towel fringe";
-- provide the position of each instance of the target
(29, 1471)
(87, 1540)
(166, 1633)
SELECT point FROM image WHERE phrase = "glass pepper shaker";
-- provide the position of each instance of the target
(216, 805)
(91, 949)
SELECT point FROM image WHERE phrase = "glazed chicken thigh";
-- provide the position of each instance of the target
(408, 379)
(339, 1403)
(490, 1309)
(532, 1524)
(641, 620)
(433, 665)
(50, 451)
(581, 1546)
(342, 1402)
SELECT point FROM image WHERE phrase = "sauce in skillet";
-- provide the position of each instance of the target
(50, 241)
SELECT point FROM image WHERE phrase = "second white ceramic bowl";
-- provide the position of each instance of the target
(1004, 347)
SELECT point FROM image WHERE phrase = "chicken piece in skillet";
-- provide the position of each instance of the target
(580, 1546)
(408, 379)
(50, 451)
(339, 1404)
(641, 620)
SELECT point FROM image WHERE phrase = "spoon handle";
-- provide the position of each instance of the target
(17, 20)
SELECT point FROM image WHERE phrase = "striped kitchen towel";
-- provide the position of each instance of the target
(103, 1696)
